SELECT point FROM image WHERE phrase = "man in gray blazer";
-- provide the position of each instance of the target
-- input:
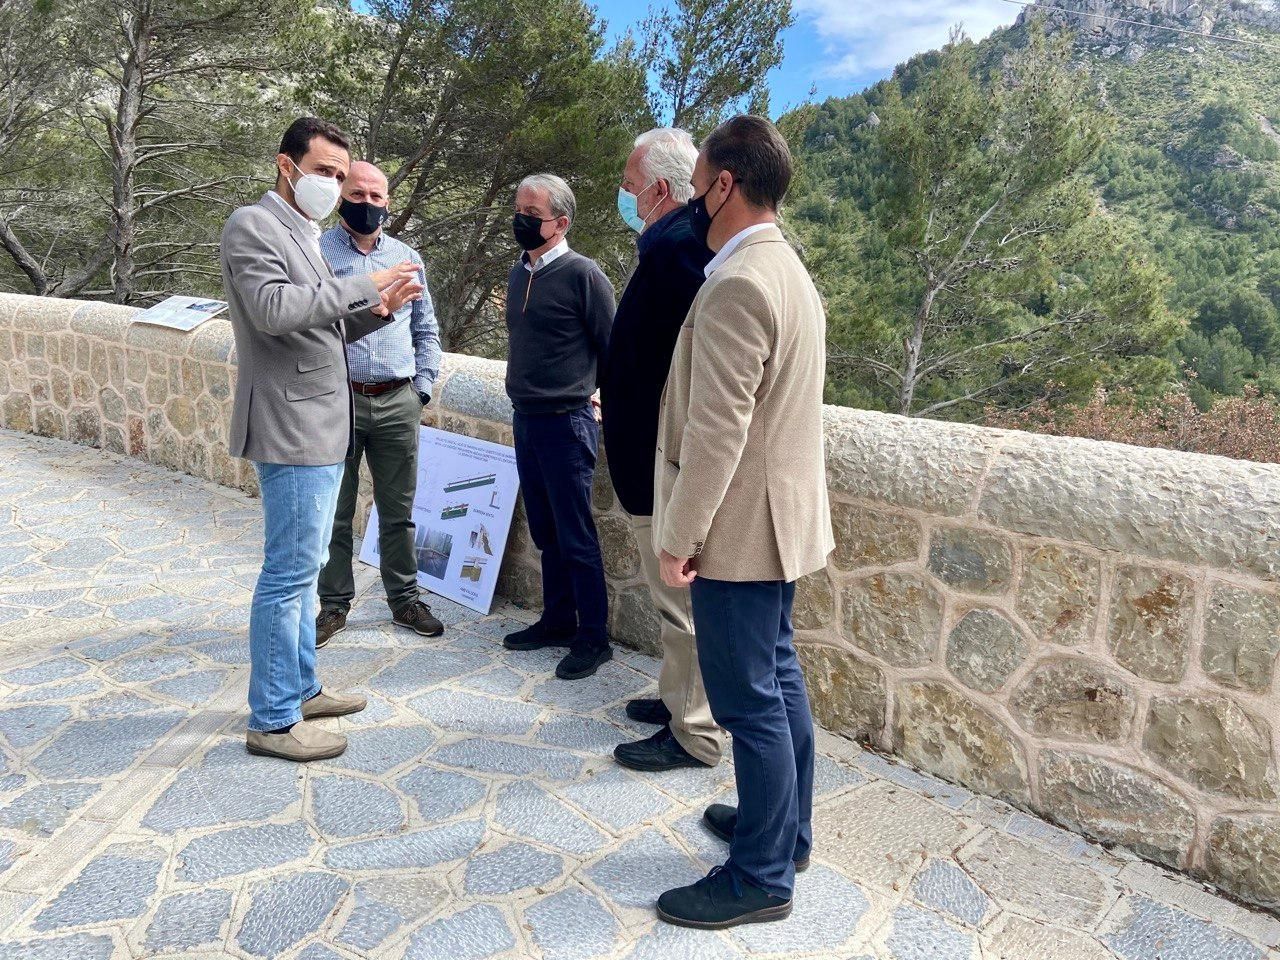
(292, 419)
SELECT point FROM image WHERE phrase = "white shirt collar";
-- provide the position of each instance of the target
(727, 250)
(307, 223)
(559, 249)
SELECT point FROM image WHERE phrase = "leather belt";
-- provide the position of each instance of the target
(378, 389)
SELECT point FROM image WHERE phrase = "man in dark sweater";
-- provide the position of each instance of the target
(652, 200)
(559, 314)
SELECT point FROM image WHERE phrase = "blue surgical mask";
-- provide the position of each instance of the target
(629, 208)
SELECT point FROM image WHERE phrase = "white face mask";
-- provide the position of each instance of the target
(316, 196)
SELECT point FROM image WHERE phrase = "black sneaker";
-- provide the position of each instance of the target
(720, 819)
(329, 623)
(417, 616)
(649, 711)
(721, 899)
(536, 636)
(662, 751)
(581, 662)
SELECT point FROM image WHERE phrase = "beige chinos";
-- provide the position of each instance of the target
(680, 681)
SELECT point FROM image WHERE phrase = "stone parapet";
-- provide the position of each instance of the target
(1088, 630)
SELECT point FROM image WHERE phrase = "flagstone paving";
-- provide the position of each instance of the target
(476, 814)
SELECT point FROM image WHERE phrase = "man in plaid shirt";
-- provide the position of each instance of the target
(393, 372)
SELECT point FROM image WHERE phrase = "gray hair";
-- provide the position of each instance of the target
(669, 155)
(560, 198)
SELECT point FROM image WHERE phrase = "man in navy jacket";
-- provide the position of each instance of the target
(656, 187)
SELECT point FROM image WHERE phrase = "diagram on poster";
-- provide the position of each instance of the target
(462, 514)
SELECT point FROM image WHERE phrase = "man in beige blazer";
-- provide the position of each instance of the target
(741, 513)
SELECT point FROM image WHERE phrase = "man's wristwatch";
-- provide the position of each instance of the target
(425, 398)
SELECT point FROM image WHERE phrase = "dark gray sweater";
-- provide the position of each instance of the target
(558, 323)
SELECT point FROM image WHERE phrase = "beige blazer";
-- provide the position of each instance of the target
(740, 472)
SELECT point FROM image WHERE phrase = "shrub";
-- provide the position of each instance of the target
(1244, 428)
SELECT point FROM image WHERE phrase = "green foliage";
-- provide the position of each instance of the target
(959, 244)
(711, 57)
(1226, 124)
(1000, 222)
(458, 101)
(121, 156)
(1166, 211)
(1195, 165)
(147, 131)
(1221, 363)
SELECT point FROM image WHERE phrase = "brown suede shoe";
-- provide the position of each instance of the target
(303, 742)
(328, 624)
(417, 616)
(326, 704)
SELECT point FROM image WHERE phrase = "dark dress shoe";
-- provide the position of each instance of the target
(649, 711)
(581, 662)
(536, 636)
(329, 623)
(662, 751)
(720, 819)
(719, 900)
(417, 616)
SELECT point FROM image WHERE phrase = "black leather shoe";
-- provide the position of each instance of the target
(581, 662)
(649, 711)
(417, 616)
(329, 623)
(719, 900)
(536, 636)
(721, 818)
(662, 751)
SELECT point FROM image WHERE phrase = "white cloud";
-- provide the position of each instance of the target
(862, 36)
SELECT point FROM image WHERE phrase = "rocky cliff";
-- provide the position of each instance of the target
(1124, 21)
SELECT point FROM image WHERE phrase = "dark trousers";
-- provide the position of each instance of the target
(386, 432)
(757, 693)
(556, 458)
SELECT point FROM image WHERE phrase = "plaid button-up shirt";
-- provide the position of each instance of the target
(409, 346)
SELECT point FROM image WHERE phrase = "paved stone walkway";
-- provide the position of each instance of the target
(476, 813)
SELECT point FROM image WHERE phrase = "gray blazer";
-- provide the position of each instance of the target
(291, 317)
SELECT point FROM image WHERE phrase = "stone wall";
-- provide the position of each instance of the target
(1087, 630)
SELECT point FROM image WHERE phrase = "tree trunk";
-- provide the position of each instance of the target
(124, 144)
(25, 262)
(912, 347)
(455, 314)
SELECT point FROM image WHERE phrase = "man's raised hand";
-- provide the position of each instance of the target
(382, 279)
(397, 295)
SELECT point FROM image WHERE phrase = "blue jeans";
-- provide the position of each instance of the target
(757, 693)
(556, 459)
(298, 505)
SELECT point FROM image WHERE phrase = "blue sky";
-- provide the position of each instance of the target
(843, 46)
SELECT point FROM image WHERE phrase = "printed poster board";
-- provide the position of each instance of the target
(462, 514)
(181, 313)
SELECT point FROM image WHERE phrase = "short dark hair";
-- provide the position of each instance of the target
(752, 149)
(297, 139)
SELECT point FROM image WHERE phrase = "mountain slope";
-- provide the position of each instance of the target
(1192, 168)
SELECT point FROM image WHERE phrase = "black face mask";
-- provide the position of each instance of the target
(363, 218)
(699, 220)
(528, 230)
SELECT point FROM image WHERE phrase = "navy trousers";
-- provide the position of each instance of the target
(556, 460)
(757, 693)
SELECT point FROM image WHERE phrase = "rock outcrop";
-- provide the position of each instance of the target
(1123, 25)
